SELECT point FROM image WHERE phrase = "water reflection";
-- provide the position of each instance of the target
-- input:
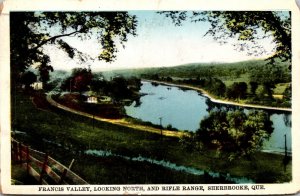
(287, 120)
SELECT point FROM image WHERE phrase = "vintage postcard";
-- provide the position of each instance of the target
(150, 97)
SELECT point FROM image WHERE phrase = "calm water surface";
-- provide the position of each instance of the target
(184, 109)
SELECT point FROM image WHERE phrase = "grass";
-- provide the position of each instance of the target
(65, 136)
(280, 88)
(241, 78)
(20, 177)
(108, 169)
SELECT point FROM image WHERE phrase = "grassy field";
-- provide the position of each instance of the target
(279, 88)
(66, 136)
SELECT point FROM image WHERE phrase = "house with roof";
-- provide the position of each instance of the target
(92, 99)
(37, 85)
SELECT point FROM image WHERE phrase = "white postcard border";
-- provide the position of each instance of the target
(100, 5)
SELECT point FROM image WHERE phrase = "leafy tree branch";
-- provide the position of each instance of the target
(30, 31)
(245, 26)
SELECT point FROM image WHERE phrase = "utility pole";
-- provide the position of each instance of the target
(285, 159)
(93, 121)
(285, 147)
(160, 120)
(70, 85)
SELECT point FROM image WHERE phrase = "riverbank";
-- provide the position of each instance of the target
(215, 100)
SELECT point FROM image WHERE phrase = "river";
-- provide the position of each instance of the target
(184, 109)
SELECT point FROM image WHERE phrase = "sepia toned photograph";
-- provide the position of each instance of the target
(150, 101)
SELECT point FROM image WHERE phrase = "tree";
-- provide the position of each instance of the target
(235, 132)
(287, 94)
(44, 73)
(134, 83)
(219, 87)
(253, 87)
(237, 90)
(98, 86)
(66, 85)
(27, 78)
(271, 73)
(82, 79)
(79, 80)
(119, 88)
(216, 86)
(246, 26)
(257, 128)
(269, 88)
(30, 31)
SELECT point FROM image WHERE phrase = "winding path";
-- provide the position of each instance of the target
(206, 94)
(121, 122)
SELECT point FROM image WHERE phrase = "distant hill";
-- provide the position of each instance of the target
(193, 70)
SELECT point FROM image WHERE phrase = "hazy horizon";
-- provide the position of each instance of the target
(172, 66)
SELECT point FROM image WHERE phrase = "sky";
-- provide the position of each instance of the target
(159, 43)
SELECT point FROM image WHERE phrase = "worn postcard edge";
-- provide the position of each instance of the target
(104, 5)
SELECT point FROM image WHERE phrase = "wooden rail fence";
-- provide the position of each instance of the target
(42, 167)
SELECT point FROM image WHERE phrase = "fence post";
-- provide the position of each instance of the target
(27, 159)
(43, 168)
(63, 175)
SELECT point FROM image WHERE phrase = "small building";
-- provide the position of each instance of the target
(37, 85)
(92, 99)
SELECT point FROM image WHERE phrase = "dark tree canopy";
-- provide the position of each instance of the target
(235, 132)
(79, 80)
(253, 87)
(237, 90)
(30, 31)
(245, 26)
(27, 78)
